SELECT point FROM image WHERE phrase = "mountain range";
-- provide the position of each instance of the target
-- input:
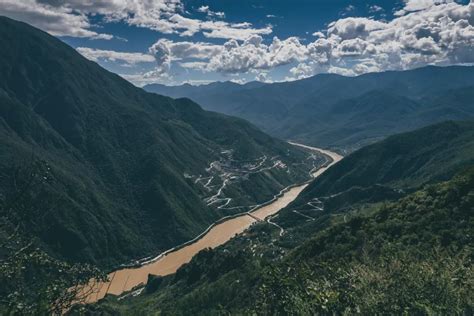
(342, 112)
(96, 173)
(126, 166)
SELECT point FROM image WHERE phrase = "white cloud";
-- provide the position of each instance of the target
(210, 13)
(349, 8)
(166, 51)
(203, 9)
(418, 5)
(141, 79)
(236, 33)
(194, 65)
(213, 29)
(263, 77)
(232, 56)
(423, 32)
(182, 50)
(72, 17)
(439, 34)
(375, 8)
(128, 58)
(59, 21)
(319, 34)
(350, 28)
(302, 70)
(238, 80)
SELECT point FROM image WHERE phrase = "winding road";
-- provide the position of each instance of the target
(126, 279)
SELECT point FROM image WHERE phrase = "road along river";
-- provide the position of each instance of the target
(125, 279)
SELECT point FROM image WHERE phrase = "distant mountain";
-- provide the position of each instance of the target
(346, 112)
(132, 173)
(408, 253)
(196, 91)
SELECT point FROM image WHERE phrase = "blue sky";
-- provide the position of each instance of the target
(177, 41)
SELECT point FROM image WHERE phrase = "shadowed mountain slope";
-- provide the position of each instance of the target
(124, 163)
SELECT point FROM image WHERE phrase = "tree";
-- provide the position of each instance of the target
(32, 281)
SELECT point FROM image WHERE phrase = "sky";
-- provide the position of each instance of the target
(177, 41)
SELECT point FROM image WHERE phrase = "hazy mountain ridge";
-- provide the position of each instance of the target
(347, 112)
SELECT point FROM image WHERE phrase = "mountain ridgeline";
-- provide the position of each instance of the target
(342, 112)
(131, 173)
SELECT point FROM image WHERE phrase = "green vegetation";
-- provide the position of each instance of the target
(411, 256)
(374, 242)
(414, 255)
(31, 281)
(342, 112)
(120, 155)
(401, 162)
(118, 173)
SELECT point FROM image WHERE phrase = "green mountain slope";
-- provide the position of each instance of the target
(410, 255)
(127, 166)
(405, 160)
(345, 112)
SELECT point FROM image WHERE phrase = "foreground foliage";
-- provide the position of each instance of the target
(392, 284)
(32, 282)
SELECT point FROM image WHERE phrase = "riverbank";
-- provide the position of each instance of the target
(127, 278)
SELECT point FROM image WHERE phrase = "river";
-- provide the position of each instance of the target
(125, 279)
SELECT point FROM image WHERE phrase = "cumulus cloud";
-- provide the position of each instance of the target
(350, 28)
(319, 34)
(59, 21)
(301, 71)
(110, 55)
(231, 57)
(418, 5)
(166, 51)
(72, 17)
(234, 31)
(263, 77)
(181, 50)
(141, 79)
(205, 9)
(216, 29)
(423, 32)
(440, 33)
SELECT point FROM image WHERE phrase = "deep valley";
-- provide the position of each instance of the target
(255, 157)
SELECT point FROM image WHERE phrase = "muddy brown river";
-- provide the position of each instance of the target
(125, 279)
